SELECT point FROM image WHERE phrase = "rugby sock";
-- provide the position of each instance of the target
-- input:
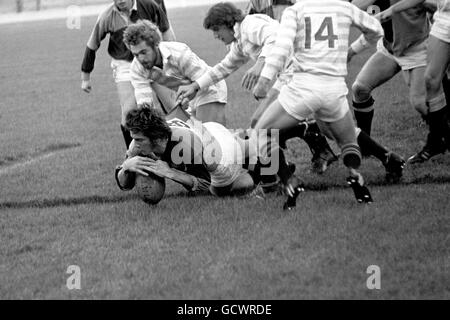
(283, 169)
(296, 131)
(446, 86)
(439, 129)
(351, 155)
(126, 135)
(370, 147)
(364, 114)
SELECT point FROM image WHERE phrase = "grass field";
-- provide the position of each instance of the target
(59, 204)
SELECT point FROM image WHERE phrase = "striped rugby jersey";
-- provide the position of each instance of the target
(255, 37)
(181, 66)
(442, 15)
(319, 31)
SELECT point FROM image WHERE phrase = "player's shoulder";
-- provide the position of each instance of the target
(137, 70)
(106, 14)
(148, 4)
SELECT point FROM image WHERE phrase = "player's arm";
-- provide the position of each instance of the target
(398, 7)
(276, 60)
(98, 34)
(262, 35)
(162, 22)
(162, 169)
(232, 62)
(371, 30)
(363, 4)
(141, 83)
(192, 68)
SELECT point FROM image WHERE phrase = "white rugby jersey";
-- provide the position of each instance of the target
(319, 32)
(255, 37)
(442, 15)
(181, 66)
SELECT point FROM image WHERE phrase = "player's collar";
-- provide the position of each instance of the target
(237, 31)
(165, 53)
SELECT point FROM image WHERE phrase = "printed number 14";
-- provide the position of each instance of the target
(320, 34)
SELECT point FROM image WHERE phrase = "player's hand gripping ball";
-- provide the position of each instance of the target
(150, 188)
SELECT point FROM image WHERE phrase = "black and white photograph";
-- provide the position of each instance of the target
(240, 152)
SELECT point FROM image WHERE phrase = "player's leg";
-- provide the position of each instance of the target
(415, 79)
(439, 133)
(272, 95)
(343, 132)
(322, 153)
(376, 71)
(127, 100)
(275, 118)
(211, 112)
(209, 104)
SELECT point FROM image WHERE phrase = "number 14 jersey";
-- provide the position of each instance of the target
(318, 31)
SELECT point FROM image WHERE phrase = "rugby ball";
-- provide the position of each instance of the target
(150, 188)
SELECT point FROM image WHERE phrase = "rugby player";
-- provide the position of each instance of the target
(252, 37)
(197, 155)
(318, 32)
(113, 21)
(168, 65)
(438, 60)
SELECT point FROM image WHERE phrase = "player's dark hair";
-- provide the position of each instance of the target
(148, 120)
(222, 14)
(142, 30)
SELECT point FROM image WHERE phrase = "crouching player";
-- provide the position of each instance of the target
(161, 67)
(199, 156)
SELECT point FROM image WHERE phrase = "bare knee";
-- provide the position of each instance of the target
(418, 102)
(361, 92)
(432, 83)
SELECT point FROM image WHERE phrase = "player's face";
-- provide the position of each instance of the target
(124, 5)
(146, 147)
(145, 54)
(224, 34)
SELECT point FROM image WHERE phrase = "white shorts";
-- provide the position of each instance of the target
(412, 58)
(441, 29)
(121, 70)
(320, 96)
(214, 93)
(222, 148)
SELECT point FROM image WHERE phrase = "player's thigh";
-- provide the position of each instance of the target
(127, 100)
(271, 97)
(276, 117)
(343, 130)
(415, 79)
(211, 112)
(438, 58)
(376, 71)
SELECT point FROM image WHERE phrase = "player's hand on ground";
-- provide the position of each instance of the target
(261, 89)
(160, 168)
(138, 164)
(252, 75)
(86, 85)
